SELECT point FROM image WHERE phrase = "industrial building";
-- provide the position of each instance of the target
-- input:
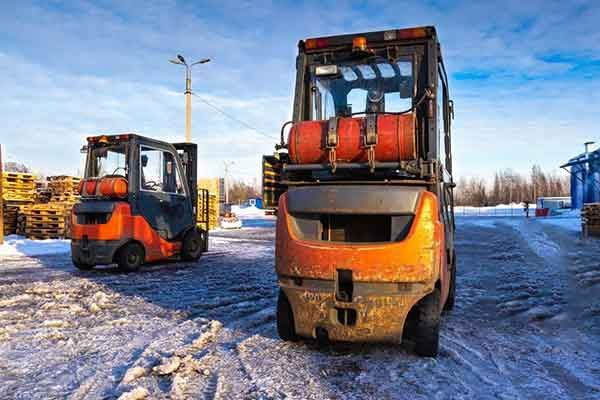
(585, 177)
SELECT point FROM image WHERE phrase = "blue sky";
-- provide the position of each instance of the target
(524, 75)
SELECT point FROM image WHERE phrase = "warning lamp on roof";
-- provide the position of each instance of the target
(103, 139)
(312, 44)
(359, 43)
(412, 33)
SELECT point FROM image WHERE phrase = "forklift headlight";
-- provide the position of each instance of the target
(323, 70)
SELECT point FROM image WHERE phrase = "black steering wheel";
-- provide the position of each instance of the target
(118, 168)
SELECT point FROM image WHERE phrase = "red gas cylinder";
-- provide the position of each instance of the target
(395, 140)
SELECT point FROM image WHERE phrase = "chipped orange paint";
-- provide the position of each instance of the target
(419, 261)
(415, 259)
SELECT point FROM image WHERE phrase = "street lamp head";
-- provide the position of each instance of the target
(175, 62)
(180, 58)
(203, 61)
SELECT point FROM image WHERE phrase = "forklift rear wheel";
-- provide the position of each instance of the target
(192, 246)
(285, 319)
(452, 291)
(427, 325)
(82, 266)
(130, 257)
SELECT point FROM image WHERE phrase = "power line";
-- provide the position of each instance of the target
(239, 121)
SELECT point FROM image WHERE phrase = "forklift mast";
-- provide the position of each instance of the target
(188, 153)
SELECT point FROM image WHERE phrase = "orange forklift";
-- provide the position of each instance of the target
(138, 203)
(363, 192)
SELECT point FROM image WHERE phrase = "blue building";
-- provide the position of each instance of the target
(585, 178)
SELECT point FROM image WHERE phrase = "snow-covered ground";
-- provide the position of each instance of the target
(526, 326)
(19, 246)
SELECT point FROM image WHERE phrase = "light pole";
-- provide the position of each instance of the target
(227, 165)
(188, 92)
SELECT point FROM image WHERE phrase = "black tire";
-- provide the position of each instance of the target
(427, 325)
(130, 257)
(192, 246)
(285, 319)
(82, 266)
(449, 305)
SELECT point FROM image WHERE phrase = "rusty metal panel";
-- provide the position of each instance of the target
(379, 318)
(418, 258)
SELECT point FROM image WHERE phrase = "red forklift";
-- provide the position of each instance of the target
(139, 204)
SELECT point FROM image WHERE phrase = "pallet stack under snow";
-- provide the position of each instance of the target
(590, 219)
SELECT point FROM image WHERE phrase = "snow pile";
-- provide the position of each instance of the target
(245, 212)
(19, 246)
(231, 223)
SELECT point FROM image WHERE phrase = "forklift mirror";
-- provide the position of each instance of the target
(144, 160)
(84, 150)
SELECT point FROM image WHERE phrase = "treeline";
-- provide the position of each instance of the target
(240, 191)
(509, 186)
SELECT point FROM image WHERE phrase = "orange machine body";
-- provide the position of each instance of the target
(389, 278)
(123, 227)
(395, 140)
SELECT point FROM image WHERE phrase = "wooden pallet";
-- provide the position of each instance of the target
(21, 175)
(45, 225)
(63, 178)
(43, 237)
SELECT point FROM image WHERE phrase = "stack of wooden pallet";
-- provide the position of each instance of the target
(64, 191)
(63, 188)
(212, 185)
(590, 219)
(42, 221)
(18, 187)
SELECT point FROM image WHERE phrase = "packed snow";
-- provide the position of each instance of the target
(526, 325)
(247, 211)
(15, 245)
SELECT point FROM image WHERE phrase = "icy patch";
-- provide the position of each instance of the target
(570, 222)
(484, 222)
(532, 233)
(19, 246)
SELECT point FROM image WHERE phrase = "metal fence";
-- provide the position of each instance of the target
(507, 211)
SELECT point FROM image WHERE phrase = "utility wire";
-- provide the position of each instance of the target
(239, 121)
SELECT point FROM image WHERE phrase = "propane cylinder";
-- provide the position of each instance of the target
(395, 140)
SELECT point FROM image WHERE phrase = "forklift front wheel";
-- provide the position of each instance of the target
(192, 246)
(130, 257)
